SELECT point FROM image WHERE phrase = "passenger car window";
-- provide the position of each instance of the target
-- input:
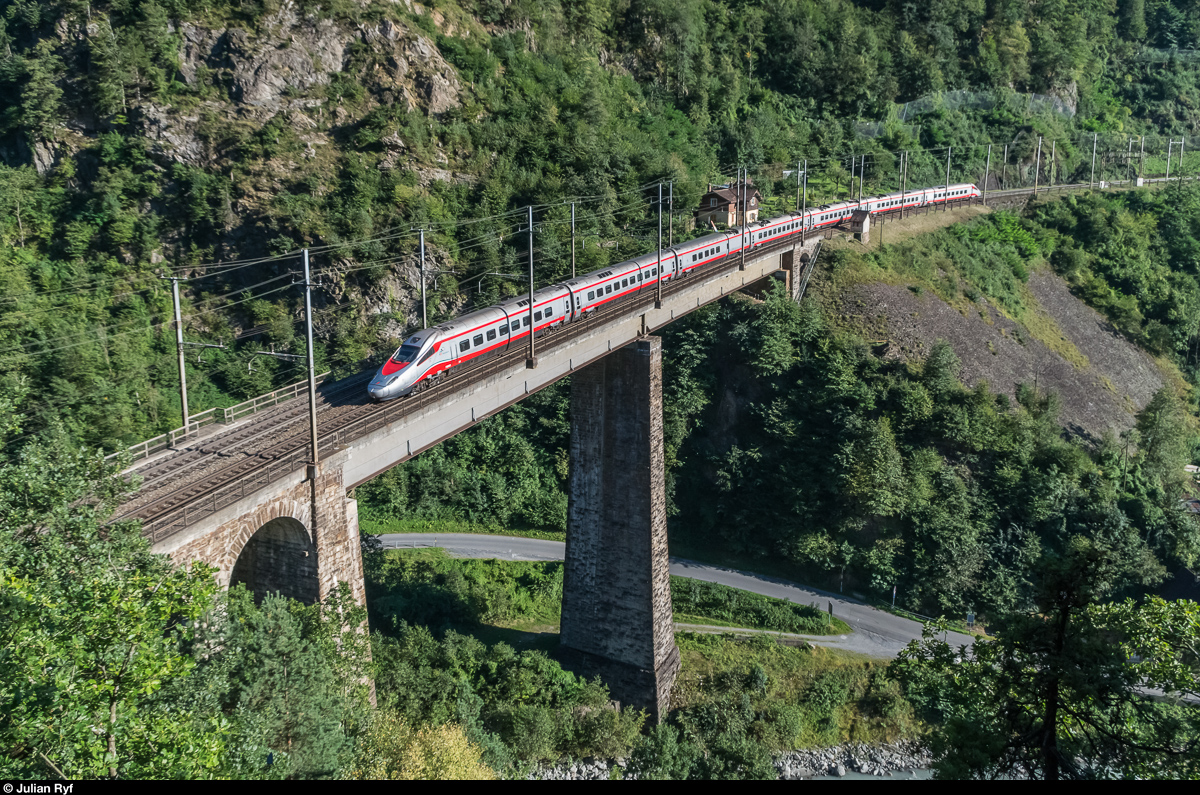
(503, 329)
(477, 340)
(464, 346)
(591, 295)
(537, 316)
(491, 335)
(549, 311)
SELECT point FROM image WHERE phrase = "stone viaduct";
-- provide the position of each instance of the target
(295, 529)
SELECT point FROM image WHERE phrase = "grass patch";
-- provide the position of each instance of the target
(990, 255)
(493, 599)
(381, 526)
(790, 697)
(706, 602)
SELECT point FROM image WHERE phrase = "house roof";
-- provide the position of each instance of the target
(729, 193)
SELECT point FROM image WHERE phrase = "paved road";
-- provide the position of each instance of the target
(876, 633)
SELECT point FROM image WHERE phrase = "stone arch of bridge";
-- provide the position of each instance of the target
(279, 557)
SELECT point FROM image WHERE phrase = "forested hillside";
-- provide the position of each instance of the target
(145, 137)
(209, 142)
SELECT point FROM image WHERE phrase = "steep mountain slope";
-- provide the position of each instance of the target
(1101, 377)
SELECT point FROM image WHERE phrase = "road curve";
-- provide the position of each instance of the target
(875, 632)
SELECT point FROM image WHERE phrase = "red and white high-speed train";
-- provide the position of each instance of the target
(427, 355)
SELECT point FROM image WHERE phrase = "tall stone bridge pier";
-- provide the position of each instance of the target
(246, 500)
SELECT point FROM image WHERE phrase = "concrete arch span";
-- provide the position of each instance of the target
(280, 557)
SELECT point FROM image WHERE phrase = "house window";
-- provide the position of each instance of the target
(712, 202)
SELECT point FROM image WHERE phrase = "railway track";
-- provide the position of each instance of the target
(277, 442)
(245, 432)
(226, 466)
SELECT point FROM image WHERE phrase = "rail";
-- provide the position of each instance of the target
(243, 485)
(224, 416)
(173, 521)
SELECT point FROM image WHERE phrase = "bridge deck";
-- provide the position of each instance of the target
(225, 472)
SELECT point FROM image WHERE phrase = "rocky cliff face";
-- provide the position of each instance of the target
(286, 67)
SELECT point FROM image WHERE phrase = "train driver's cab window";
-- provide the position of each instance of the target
(491, 335)
(406, 353)
(464, 346)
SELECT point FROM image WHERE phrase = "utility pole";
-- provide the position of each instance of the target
(660, 227)
(572, 240)
(804, 202)
(671, 214)
(850, 187)
(531, 362)
(798, 175)
(1182, 138)
(179, 348)
(312, 371)
(745, 214)
(1142, 158)
(1092, 181)
(1169, 147)
(1004, 167)
(424, 311)
(180, 345)
(986, 171)
(903, 182)
(1037, 166)
(862, 169)
(1053, 144)
(946, 197)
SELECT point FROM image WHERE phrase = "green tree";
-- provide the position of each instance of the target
(1165, 438)
(94, 629)
(1053, 696)
(41, 97)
